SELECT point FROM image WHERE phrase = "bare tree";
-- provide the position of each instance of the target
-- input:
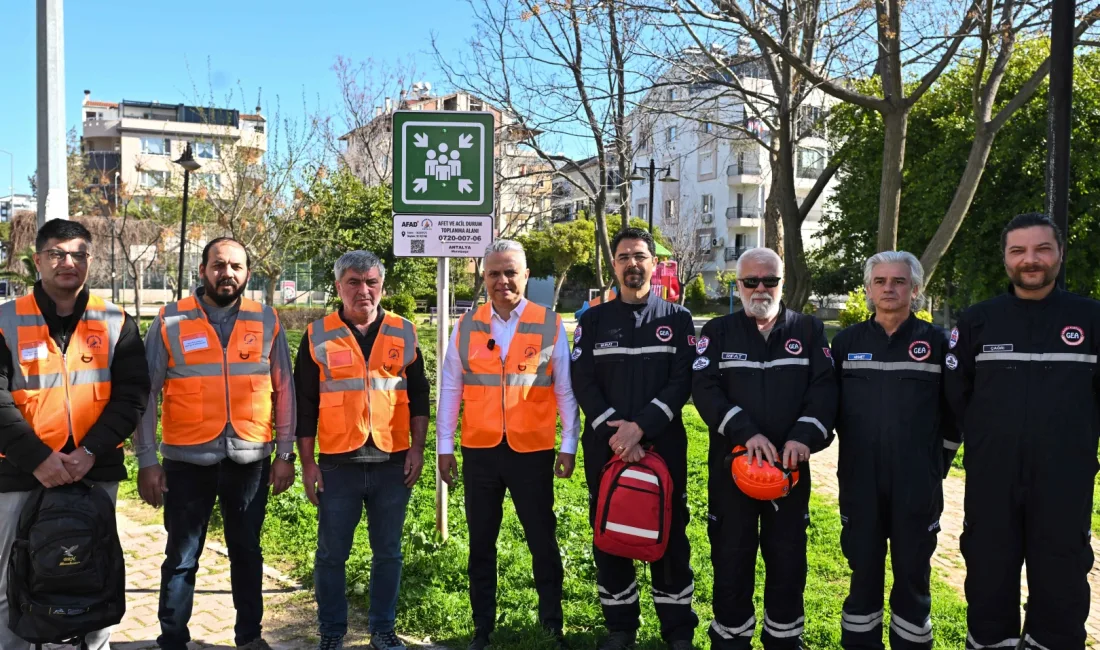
(560, 68)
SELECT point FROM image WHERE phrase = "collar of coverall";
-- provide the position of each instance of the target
(902, 330)
(1038, 304)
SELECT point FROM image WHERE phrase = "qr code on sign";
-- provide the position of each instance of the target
(416, 246)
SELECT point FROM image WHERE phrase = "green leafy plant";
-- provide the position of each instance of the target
(856, 310)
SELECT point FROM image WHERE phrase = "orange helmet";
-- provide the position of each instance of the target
(766, 483)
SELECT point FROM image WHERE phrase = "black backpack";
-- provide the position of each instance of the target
(66, 575)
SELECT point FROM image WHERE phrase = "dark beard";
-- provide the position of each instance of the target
(634, 280)
(222, 300)
(1050, 274)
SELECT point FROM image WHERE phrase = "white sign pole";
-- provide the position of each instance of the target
(443, 293)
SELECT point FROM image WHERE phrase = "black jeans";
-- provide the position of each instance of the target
(242, 492)
(529, 478)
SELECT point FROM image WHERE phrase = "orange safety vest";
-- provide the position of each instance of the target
(513, 395)
(203, 377)
(362, 399)
(61, 395)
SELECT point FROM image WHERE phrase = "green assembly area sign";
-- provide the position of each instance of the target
(442, 162)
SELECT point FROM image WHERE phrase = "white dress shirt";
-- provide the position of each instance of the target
(502, 331)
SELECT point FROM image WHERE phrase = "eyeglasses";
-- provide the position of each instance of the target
(770, 282)
(58, 255)
(638, 258)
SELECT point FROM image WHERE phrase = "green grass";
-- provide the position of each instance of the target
(434, 598)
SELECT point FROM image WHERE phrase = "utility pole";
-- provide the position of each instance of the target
(1059, 112)
(53, 182)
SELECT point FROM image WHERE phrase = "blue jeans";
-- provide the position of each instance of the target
(188, 503)
(348, 488)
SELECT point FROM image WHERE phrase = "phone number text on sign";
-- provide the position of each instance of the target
(441, 236)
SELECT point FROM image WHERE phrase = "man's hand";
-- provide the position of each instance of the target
(79, 462)
(282, 476)
(53, 472)
(761, 449)
(311, 478)
(632, 454)
(627, 436)
(795, 452)
(152, 484)
(448, 469)
(564, 467)
(414, 464)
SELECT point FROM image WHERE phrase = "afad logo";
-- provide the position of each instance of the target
(793, 346)
(919, 350)
(1073, 335)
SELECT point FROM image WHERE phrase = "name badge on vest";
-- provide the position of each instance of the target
(33, 351)
(195, 342)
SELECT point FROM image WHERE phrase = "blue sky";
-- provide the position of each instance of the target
(161, 51)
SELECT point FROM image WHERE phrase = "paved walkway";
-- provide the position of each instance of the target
(948, 558)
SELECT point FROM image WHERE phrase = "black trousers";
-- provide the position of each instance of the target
(529, 478)
(672, 580)
(738, 525)
(1044, 523)
(870, 516)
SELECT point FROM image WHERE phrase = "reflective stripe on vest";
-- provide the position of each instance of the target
(61, 394)
(352, 409)
(511, 397)
(203, 378)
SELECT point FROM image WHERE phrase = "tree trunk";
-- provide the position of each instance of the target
(557, 291)
(893, 161)
(271, 284)
(139, 282)
(960, 203)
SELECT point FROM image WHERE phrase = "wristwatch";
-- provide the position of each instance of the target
(287, 457)
(87, 451)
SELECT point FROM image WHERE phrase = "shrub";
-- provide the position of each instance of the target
(695, 295)
(401, 304)
(925, 315)
(298, 318)
(856, 310)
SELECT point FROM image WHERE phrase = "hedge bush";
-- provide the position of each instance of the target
(401, 304)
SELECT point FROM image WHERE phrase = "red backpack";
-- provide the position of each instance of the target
(634, 508)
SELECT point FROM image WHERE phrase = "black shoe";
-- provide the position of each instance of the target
(618, 641)
(681, 645)
(479, 642)
(556, 638)
(386, 641)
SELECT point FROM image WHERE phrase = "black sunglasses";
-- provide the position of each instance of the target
(770, 282)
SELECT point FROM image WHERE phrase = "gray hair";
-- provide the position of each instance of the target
(361, 261)
(760, 254)
(506, 246)
(916, 273)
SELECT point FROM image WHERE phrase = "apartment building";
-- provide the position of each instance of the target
(523, 180)
(11, 204)
(135, 142)
(721, 175)
(573, 195)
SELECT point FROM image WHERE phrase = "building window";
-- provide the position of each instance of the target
(209, 181)
(476, 105)
(644, 136)
(642, 211)
(671, 94)
(670, 210)
(154, 179)
(670, 134)
(156, 146)
(205, 150)
(707, 203)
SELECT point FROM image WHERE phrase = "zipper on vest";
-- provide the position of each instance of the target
(225, 376)
(503, 409)
(68, 400)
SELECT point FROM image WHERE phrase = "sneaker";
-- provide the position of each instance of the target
(255, 644)
(618, 641)
(331, 642)
(681, 645)
(386, 641)
(479, 642)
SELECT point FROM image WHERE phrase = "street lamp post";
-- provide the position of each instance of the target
(189, 164)
(649, 173)
(1059, 112)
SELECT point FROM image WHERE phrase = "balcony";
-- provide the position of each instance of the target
(742, 217)
(745, 172)
(809, 172)
(101, 128)
(733, 252)
(105, 162)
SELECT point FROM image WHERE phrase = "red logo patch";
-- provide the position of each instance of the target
(691, 340)
(1073, 335)
(919, 350)
(664, 333)
(793, 346)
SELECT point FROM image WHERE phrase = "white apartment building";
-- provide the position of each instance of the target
(572, 194)
(135, 143)
(722, 176)
(11, 204)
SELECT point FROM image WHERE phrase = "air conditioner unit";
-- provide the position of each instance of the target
(708, 217)
(718, 242)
